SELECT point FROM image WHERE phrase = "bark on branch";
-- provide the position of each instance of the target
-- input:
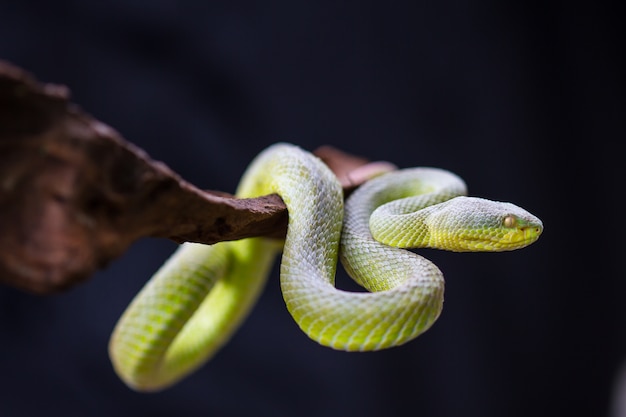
(74, 194)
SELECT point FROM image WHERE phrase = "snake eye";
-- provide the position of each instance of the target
(509, 221)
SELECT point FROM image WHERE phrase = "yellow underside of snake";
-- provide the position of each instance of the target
(200, 296)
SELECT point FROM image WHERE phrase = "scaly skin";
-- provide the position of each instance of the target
(196, 301)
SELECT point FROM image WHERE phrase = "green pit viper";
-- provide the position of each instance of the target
(200, 296)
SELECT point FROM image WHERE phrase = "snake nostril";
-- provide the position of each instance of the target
(534, 230)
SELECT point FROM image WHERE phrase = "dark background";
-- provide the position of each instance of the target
(524, 100)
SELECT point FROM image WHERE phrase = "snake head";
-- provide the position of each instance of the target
(471, 224)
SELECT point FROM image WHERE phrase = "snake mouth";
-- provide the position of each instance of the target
(504, 240)
(531, 234)
(518, 238)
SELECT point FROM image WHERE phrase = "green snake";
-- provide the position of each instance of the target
(200, 296)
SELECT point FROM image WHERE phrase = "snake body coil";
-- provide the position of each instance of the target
(194, 303)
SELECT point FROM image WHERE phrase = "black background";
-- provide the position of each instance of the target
(524, 100)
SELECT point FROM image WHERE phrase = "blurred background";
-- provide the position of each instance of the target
(524, 100)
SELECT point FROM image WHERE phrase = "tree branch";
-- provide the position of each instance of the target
(74, 194)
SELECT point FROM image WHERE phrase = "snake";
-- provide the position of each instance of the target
(200, 296)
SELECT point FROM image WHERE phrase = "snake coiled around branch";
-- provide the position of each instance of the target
(200, 296)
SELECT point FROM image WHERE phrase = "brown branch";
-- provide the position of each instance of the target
(74, 194)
